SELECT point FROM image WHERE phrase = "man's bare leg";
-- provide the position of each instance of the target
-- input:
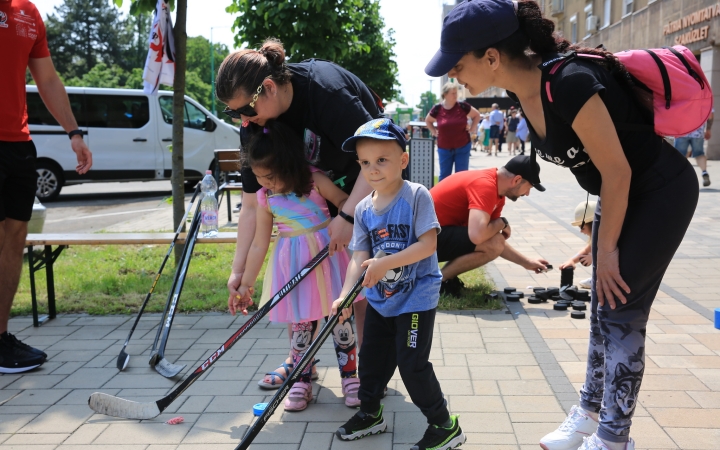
(483, 254)
(12, 243)
(702, 162)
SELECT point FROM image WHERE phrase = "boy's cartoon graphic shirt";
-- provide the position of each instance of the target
(411, 288)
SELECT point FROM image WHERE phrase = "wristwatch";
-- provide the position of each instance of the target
(76, 133)
(505, 222)
(348, 218)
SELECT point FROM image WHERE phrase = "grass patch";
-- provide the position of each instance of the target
(474, 295)
(114, 279)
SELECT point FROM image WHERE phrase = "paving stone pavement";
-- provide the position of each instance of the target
(510, 374)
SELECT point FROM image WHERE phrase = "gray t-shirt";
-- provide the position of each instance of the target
(411, 288)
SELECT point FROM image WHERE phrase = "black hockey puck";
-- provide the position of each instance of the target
(577, 314)
(553, 287)
(560, 307)
(519, 294)
(534, 300)
(556, 298)
(512, 297)
(579, 306)
(509, 290)
(582, 295)
(536, 289)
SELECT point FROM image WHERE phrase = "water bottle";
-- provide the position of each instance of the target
(208, 206)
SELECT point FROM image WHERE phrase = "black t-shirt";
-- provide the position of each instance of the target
(571, 87)
(329, 104)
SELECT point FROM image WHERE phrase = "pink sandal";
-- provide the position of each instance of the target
(350, 388)
(299, 396)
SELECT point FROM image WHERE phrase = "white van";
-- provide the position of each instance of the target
(128, 133)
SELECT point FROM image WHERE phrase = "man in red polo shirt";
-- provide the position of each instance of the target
(469, 207)
(23, 44)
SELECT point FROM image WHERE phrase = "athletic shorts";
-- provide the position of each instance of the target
(494, 131)
(511, 138)
(18, 180)
(453, 242)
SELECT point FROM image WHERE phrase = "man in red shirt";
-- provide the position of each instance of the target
(24, 45)
(469, 207)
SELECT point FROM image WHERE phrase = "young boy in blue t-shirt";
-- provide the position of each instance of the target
(403, 288)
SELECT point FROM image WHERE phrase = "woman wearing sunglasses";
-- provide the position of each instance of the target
(321, 102)
(572, 111)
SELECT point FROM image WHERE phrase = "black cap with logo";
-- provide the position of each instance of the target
(527, 168)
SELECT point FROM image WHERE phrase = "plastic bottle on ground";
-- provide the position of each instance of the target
(208, 206)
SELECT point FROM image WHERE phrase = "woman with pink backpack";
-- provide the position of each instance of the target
(583, 113)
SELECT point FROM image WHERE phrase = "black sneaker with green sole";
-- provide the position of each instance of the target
(361, 425)
(439, 438)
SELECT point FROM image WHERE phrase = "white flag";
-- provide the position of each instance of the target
(160, 62)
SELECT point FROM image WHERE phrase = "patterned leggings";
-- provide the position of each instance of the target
(304, 333)
(655, 223)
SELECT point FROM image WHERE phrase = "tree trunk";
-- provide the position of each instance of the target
(178, 160)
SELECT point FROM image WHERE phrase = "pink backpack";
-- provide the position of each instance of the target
(668, 82)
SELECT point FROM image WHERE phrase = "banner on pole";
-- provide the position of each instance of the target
(160, 62)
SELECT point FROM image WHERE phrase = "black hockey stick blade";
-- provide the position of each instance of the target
(300, 367)
(123, 357)
(119, 407)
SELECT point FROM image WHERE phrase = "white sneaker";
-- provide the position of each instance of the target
(595, 443)
(586, 284)
(569, 435)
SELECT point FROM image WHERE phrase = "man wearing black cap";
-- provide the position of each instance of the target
(469, 207)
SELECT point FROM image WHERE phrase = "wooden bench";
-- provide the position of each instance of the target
(47, 258)
(228, 162)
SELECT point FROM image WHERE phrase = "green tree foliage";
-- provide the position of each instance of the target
(427, 100)
(348, 32)
(83, 33)
(119, 61)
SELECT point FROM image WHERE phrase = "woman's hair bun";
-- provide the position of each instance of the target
(273, 50)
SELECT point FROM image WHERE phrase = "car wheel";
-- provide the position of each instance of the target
(49, 182)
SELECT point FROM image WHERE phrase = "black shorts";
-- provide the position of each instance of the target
(453, 242)
(18, 180)
(494, 131)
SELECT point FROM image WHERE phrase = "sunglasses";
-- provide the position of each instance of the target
(249, 109)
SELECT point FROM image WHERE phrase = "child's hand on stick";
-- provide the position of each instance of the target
(375, 272)
(344, 314)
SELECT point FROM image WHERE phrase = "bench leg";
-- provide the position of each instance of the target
(229, 206)
(33, 293)
(49, 262)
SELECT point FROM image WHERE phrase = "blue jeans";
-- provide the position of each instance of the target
(682, 144)
(459, 156)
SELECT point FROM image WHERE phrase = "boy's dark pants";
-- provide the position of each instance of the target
(404, 342)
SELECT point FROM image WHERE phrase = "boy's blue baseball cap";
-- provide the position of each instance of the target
(472, 25)
(383, 129)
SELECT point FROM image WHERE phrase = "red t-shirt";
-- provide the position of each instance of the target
(22, 36)
(452, 125)
(457, 194)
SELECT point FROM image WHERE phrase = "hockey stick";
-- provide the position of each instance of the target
(154, 349)
(300, 367)
(124, 358)
(162, 365)
(128, 409)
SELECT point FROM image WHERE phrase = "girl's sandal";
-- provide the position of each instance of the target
(299, 396)
(269, 380)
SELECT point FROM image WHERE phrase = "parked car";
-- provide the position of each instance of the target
(129, 133)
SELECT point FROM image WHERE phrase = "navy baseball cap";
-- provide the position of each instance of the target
(527, 168)
(472, 25)
(383, 129)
